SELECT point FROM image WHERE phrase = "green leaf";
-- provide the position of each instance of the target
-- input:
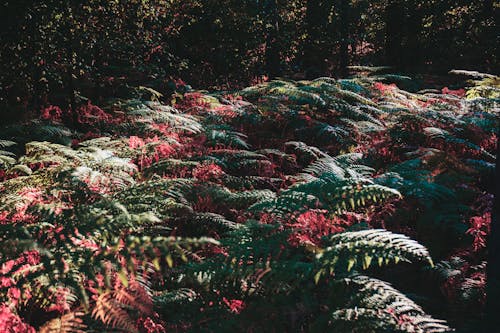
(122, 275)
(317, 276)
(350, 263)
(170, 261)
(156, 263)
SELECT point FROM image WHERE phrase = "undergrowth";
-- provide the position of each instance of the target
(283, 207)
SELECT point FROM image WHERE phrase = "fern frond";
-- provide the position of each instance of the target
(310, 151)
(205, 223)
(110, 312)
(359, 248)
(298, 95)
(6, 160)
(20, 169)
(227, 138)
(150, 113)
(174, 298)
(68, 323)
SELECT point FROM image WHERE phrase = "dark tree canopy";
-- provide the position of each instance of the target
(51, 47)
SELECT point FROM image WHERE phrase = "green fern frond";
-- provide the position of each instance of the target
(20, 169)
(227, 138)
(359, 248)
(440, 133)
(169, 166)
(6, 160)
(297, 94)
(173, 298)
(251, 182)
(199, 224)
(310, 151)
(7, 143)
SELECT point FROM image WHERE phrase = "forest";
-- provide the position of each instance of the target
(249, 166)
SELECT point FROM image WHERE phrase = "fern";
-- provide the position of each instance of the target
(359, 248)
(260, 212)
(68, 323)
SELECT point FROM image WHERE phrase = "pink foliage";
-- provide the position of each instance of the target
(88, 114)
(311, 226)
(192, 100)
(60, 301)
(164, 150)
(135, 142)
(479, 229)
(489, 143)
(384, 88)
(30, 196)
(225, 111)
(51, 112)
(206, 172)
(91, 114)
(161, 150)
(11, 323)
(458, 92)
(234, 305)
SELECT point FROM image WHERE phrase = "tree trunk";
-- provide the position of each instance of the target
(394, 37)
(272, 56)
(70, 64)
(411, 58)
(316, 15)
(344, 37)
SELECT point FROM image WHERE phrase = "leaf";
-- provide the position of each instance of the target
(21, 168)
(170, 261)
(366, 261)
(350, 263)
(317, 276)
(122, 275)
(156, 263)
(68, 323)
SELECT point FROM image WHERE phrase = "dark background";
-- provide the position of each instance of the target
(56, 52)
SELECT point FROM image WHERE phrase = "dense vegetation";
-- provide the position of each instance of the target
(56, 51)
(250, 165)
(285, 206)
